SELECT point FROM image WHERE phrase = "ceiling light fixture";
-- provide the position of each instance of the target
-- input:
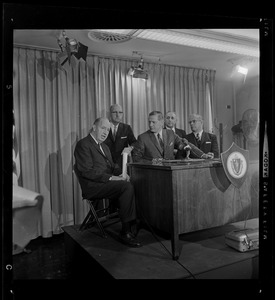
(241, 70)
(138, 71)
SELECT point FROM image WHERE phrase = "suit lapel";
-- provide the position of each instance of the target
(105, 149)
(203, 137)
(164, 138)
(96, 146)
(119, 128)
(192, 139)
(154, 141)
(111, 136)
(117, 132)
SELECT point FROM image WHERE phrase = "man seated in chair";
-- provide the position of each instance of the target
(100, 178)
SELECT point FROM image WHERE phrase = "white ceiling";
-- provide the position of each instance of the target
(219, 49)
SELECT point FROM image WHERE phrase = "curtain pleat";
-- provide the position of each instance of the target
(54, 107)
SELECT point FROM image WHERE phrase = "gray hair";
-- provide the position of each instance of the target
(158, 113)
(196, 117)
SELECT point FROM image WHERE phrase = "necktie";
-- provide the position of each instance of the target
(101, 149)
(198, 139)
(160, 141)
(114, 132)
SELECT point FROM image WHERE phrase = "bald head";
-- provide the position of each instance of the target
(170, 119)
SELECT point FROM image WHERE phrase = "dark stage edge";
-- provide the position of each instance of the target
(204, 255)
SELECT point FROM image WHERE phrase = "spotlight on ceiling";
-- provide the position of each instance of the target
(138, 71)
(72, 48)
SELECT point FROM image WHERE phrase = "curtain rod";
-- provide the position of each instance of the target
(108, 56)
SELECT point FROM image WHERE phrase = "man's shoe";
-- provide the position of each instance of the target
(135, 228)
(129, 240)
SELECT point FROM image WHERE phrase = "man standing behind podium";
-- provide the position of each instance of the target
(158, 142)
(121, 137)
(205, 141)
(170, 123)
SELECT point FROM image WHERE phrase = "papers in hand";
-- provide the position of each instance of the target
(124, 164)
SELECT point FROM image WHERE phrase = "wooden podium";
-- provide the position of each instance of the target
(183, 196)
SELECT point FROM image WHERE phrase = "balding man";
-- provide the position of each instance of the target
(100, 178)
(121, 136)
(170, 123)
(205, 141)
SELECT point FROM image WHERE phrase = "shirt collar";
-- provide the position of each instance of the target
(94, 138)
(160, 133)
(173, 128)
(113, 126)
(200, 133)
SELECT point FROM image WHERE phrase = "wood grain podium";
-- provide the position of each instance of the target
(183, 196)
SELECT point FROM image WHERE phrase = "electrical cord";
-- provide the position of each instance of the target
(159, 241)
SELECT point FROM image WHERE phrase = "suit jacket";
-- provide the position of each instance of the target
(180, 132)
(208, 143)
(124, 138)
(147, 146)
(91, 166)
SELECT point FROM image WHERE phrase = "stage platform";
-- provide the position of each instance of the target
(203, 255)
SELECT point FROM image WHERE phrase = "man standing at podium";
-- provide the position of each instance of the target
(158, 142)
(205, 141)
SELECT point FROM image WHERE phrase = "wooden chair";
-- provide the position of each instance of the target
(99, 212)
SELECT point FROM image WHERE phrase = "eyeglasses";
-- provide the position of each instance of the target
(117, 112)
(194, 121)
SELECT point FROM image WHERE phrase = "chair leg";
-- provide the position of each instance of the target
(86, 220)
(97, 221)
(93, 214)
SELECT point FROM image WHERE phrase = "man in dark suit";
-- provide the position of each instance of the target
(158, 142)
(99, 177)
(121, 136)
(170, 123)
(205, 141)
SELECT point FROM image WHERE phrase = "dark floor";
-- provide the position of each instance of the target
(47, 260)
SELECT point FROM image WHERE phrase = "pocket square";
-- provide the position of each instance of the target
(207, 142)
(124, 137)
(171, 144)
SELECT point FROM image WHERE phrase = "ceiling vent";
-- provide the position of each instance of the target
(120, 36)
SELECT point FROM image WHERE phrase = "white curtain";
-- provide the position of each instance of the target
(54, 108)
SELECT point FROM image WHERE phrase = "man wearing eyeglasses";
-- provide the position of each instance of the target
(205, 141)
(121, 136)
(159, 143)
